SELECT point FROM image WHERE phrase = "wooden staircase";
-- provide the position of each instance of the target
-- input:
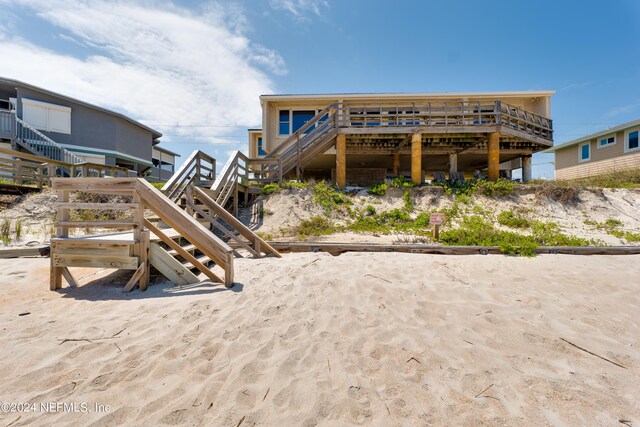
(178, 252)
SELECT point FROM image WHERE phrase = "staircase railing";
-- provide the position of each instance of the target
(234, 172)
(40, 144)
(198, 169)
(306, 142)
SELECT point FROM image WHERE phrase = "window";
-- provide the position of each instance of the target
(300, 118)
(47, 117)
(261, 151)
(632, 141)
(603, 142)
(292, 120)
(584, 152)
(284, 127)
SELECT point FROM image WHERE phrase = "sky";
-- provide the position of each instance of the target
(194, 69)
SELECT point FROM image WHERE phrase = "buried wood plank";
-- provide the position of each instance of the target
(182, 252)
(446, 250)
(170, 267)
(24, 252)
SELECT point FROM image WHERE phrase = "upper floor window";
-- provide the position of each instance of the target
(261, 151)
(603, 142)
(292, 120)
(584, 152)
(631, 143)
(47, 117)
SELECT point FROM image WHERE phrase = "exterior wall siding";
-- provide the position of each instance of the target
(605, 159)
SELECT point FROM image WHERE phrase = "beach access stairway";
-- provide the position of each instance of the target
(176, 240)
(176, 251)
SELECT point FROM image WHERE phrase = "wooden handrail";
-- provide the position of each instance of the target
(188, 227)
(218, 210)
(193, 169)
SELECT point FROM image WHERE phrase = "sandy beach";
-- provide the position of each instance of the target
(311, 339)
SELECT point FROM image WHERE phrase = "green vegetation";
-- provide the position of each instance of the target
(499, 188)
(475, 231)
(408, 201)
(509, 219)
(612, 227)
(370, 210)
(401, 182)
(378, 189)
(327, 197)
(269, 188)
(315, 226)
(157, 185)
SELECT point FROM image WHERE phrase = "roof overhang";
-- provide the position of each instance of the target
(405, 96)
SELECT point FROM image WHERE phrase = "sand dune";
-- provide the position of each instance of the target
(372, 339)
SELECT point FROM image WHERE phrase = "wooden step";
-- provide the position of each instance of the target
(202, 258)
(188, 248)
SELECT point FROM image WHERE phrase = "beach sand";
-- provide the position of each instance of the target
(310, 339)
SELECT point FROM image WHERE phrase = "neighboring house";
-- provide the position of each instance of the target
(610, 150)
(67, 129)
(377, 136)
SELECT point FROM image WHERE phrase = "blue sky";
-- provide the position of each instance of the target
(194, 70)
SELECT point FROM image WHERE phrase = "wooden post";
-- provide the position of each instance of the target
(493, 156)
(298, 171)
(396, 163)
(416, 158)
(526, 168)
(144, 259)
(341, 160)
(453, 164)
(436, 231)
(55, 273)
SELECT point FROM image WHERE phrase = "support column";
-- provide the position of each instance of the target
(453, 165)
(396, 163)
(526, 168)
(341, 160)
(493, 156)
(416, 158)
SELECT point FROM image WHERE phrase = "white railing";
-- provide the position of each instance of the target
(34, 140)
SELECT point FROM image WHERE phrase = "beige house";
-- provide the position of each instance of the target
(365, 138)
(609, 150)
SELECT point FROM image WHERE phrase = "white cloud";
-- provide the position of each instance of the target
(156, 62)
(300, 8)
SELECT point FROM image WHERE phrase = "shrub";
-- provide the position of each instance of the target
(509, 219)
(408, 201)
(401, 182)
(269, 188)
(370, 210)
(315, 226)
(501, 187)
(295, 185)
(327, 197)
(378, 189)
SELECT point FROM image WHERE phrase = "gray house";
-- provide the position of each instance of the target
(62, 128)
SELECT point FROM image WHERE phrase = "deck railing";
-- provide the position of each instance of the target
(39, 143)
(198, 169)
(7, 124)
(387, 115)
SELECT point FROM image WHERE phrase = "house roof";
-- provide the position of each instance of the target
(589, 137)
(13, 82)
(407, 95)
(164, 150)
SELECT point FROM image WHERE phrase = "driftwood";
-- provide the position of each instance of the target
(592, 353)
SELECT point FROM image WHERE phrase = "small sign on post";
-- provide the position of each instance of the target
(436, 220)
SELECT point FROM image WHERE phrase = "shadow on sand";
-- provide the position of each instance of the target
(110, 287)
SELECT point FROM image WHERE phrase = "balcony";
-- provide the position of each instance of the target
(7, 124)
(444, 118)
